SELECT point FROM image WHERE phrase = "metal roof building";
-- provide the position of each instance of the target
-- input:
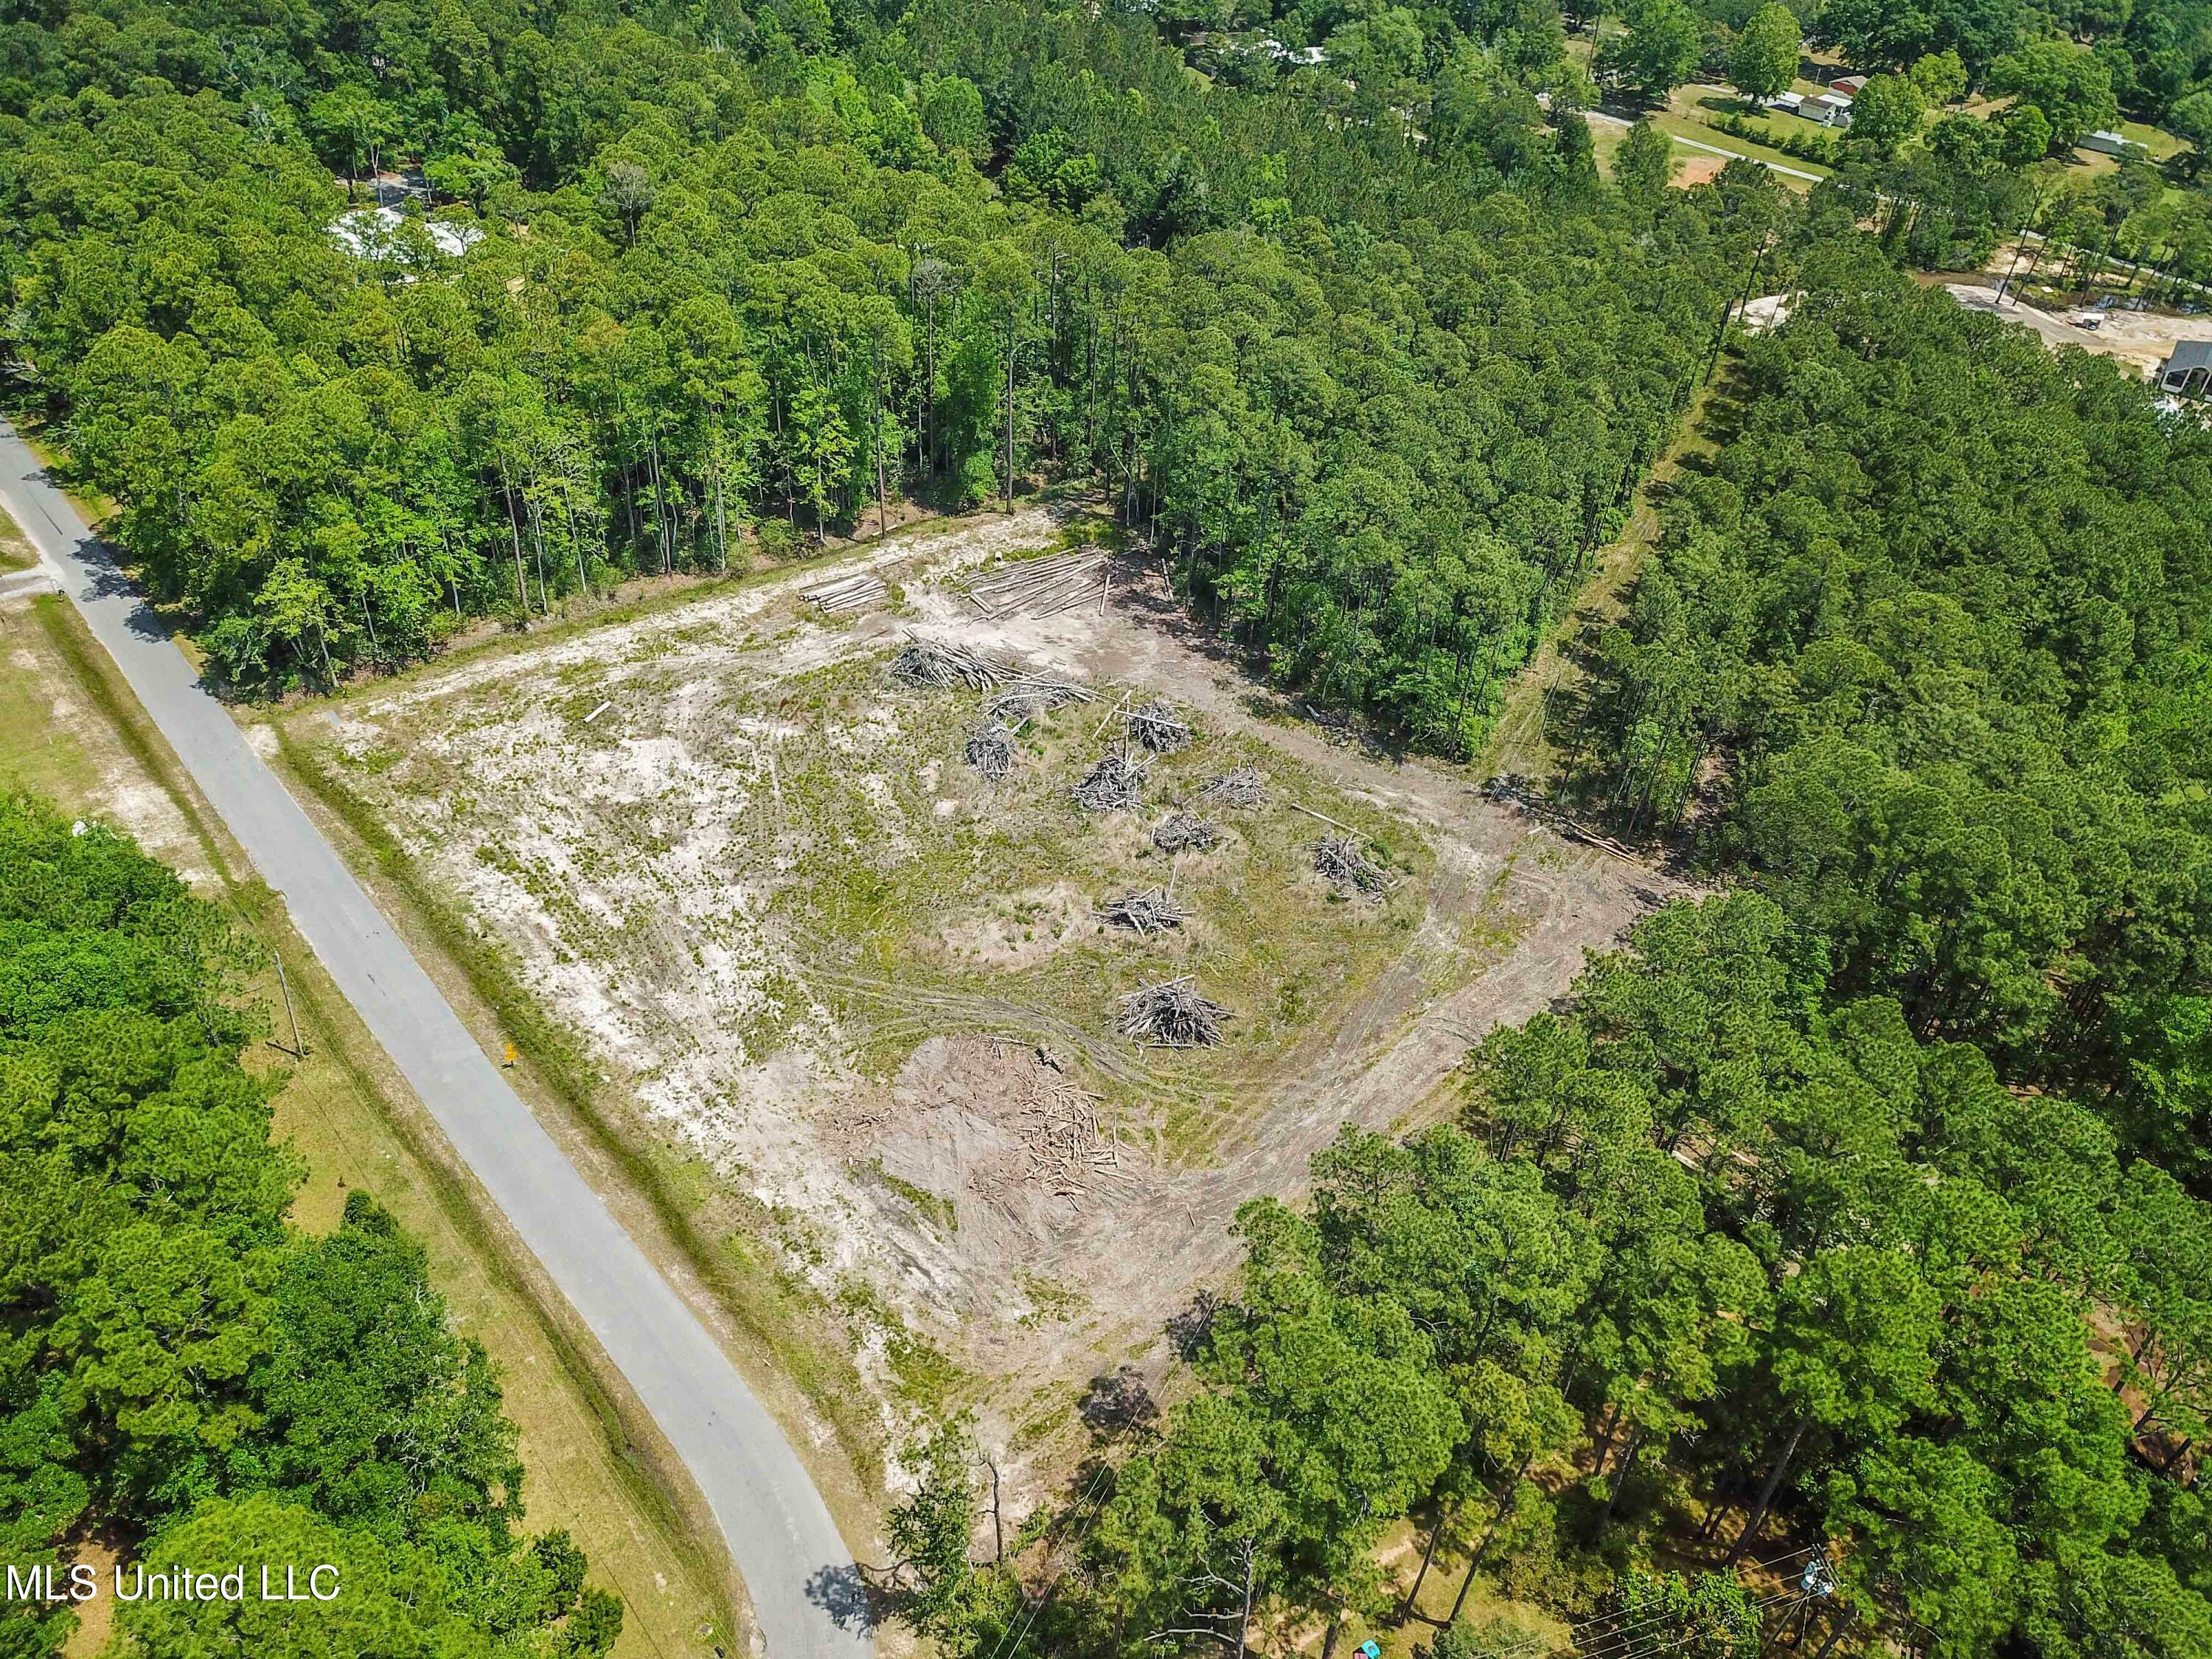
(2188, 369)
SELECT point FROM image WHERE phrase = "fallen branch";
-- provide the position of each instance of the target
(990, 750)
(847, 593)
(1115, 782)
(1033, 695)
(1181, 832)
(926, 664)
(1146, 911)
(1155, 725)
(1323, 816)
(1342, 861)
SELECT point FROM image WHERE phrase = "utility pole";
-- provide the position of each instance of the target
(1817, 1583)
(299, 1050)
(1720, 335)
(1844, 1621)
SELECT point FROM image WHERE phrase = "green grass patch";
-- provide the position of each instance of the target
(16, 552)
(1690, 122)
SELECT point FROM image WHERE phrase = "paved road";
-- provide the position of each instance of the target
(1611, 120)
(798, 1570)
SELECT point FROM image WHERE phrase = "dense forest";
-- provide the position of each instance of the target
(1937, 616)
(184, 1376)
(1375, 400)
(1363, 347)
(1856, 1215)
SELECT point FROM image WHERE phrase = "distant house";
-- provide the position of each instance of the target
(1827, 109)
(2111, 143)
(1847, 86)
(366, 232)
(2187, 371)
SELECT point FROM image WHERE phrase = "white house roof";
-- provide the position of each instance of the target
(367, 232)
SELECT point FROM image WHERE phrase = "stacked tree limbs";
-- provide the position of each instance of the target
(926, 664)
(1172, 1015)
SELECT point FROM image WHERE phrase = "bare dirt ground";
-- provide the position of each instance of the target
(2142, 339)
(868, 988)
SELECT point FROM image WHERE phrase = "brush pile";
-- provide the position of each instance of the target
(1245, 786)
(1116, 783)
(1065, 1150)
(991, 750)
(1144, 911)
(1346, 864)
(1033, 695)
(1040, 587)
(1172, 1015)
(1154, 725)
(1185, 832)
(847, 593)
(926, 663)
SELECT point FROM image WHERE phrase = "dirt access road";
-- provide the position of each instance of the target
(2142, 339)
(797, 1569)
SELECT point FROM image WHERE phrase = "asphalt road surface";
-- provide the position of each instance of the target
(805, 1593)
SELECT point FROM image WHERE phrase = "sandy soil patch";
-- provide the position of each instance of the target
(1697, 169)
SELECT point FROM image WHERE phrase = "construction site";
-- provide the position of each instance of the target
(993, 931)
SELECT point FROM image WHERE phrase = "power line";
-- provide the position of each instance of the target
(1015, 1632)
(1622, 1637)
(1537, 1646)
(1620, 1630)
(1631, 1641)
(1618, 1639)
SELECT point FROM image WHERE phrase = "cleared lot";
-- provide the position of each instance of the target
(867, 985)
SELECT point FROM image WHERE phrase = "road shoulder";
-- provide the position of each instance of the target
(82, 740)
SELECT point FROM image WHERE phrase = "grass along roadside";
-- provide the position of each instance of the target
(16, 552)
(77, 737)
(781, 1330)
(1684, 119)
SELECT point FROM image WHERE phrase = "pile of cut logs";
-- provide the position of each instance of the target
(923, 663)
(1040, 587)
(847, 594)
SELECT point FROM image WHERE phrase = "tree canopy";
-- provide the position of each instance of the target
(1940, 604)
(181, 1365)
(1709, 1239)
(1366, 357)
